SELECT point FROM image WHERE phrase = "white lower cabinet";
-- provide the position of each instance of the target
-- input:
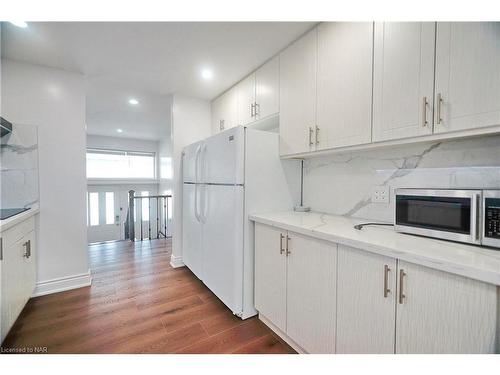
(366, 297)
(353, 301)
(311, 280)
(18, 272)
(438, 312)
(270, 274)
(295, 283)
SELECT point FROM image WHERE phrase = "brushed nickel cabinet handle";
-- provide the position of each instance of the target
(252, 110)
(27, 246)
(281, 243)
(310, 135)
(316, 135)
(402, 296)
(288, 252)
(439, 101)
(386, 280)
(424, 111)
(256, 109)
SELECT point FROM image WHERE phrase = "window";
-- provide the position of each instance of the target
(120, 164)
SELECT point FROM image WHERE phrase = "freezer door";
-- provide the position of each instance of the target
(222, 157)
(191, 230)
(190, 162)
(223, 243)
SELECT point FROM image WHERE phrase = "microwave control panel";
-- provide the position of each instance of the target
(492, 218)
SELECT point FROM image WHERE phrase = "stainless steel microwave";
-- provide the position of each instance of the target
(466, 215)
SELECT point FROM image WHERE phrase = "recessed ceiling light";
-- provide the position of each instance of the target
(119, 130)
(20, 24)
(207, 74)
(133, 101)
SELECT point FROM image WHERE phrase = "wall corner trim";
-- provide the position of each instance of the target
(176, 261)
(62, 284)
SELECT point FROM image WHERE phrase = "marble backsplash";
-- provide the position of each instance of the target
(342, 184)
(19, 167)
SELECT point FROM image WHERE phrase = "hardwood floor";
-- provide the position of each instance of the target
(138, 303)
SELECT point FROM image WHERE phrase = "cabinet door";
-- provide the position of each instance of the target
(344, 83)
(230, 108)
(217, 120)
(246, 100)
(443, 313)
(270, 274)
(29, 267)
(311, 289)
(366, 298)
(298, 94)
(403, 81)
(467, 75)
(267, 89)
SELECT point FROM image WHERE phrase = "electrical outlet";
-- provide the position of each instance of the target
(380, 194)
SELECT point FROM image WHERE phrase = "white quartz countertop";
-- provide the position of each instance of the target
(475, 262)
(16, 219)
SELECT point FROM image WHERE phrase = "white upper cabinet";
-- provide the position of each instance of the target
(297, 95)
(344, 102)
(246, 100)
(267, 89)
(438, 312)
(467, 75)
(225, 111)
(217, 115)
(403, 80)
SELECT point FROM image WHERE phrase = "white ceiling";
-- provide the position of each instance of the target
(147, 61)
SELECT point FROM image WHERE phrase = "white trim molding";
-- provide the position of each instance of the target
(62, 284)
(176, 261)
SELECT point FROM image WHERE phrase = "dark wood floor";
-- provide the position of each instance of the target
(138, 303)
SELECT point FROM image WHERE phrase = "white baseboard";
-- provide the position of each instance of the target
(176, 262)
(62, 284)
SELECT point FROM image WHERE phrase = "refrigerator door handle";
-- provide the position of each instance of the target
(196, 160)
(204, 196)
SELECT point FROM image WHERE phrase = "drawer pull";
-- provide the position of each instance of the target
(288, 252)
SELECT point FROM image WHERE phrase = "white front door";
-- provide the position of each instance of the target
(106, 214)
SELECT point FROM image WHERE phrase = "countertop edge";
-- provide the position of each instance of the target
(19, 218)
(447, 266)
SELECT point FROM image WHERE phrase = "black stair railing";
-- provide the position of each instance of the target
(155, 223)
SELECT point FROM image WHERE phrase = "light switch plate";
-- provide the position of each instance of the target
(380, 194)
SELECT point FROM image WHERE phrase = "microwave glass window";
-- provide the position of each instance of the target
(439, 213)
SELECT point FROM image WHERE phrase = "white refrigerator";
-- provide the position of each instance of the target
(226, 178)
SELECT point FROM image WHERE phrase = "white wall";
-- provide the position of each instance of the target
(166, 165)
(54, 100)
(190, 123)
